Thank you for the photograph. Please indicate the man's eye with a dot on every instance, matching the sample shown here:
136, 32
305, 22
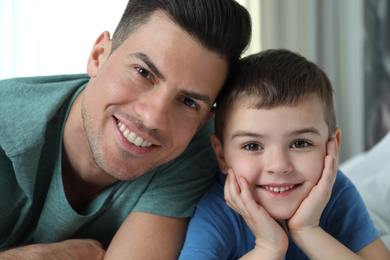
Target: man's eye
189, 102
144, 73
253, 147
300, 144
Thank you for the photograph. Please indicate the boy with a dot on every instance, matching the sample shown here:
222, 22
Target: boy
274, 125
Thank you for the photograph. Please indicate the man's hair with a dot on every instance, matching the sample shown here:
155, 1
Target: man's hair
222, 26
274, 78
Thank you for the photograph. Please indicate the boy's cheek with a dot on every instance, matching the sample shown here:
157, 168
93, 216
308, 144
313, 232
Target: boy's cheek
250, 171
315, 171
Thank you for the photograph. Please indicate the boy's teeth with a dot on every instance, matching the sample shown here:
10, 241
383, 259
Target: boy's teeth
279, 189
132, 137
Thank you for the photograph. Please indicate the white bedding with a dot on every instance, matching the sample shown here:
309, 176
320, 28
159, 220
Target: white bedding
370, 172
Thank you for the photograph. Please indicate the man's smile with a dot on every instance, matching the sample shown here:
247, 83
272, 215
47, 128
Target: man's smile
132, 137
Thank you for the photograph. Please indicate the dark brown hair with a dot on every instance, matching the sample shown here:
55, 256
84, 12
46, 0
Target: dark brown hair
222, 26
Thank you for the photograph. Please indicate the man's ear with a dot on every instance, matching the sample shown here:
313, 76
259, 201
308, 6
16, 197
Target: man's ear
209, 115
100, 52
218, 149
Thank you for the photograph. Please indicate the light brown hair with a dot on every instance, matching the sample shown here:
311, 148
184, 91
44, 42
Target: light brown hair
273, 78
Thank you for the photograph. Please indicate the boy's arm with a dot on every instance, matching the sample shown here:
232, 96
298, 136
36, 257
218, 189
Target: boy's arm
271, 239
258, 253
317, 244
375, 250
310, 237
148, 236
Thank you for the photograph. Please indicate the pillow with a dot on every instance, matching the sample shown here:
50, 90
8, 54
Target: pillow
370, 172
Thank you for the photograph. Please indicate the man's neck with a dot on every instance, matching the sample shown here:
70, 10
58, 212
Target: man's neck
83, 181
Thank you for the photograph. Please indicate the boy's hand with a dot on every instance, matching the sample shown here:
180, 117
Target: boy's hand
309, 212
270, 236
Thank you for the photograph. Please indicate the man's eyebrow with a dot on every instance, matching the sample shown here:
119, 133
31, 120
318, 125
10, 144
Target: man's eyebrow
197, 96
145, 58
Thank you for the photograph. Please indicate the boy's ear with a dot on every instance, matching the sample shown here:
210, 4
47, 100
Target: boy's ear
100, 52
337, 136
209, 115
218, 149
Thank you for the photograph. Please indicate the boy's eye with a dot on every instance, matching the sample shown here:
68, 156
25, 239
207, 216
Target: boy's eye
253, 147
300, 144
144, 73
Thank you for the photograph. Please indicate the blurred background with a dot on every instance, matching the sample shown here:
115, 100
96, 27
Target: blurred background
348, 39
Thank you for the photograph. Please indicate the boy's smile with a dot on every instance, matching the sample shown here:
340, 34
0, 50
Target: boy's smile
279, 151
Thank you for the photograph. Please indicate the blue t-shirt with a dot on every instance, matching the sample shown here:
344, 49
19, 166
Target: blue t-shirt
218, 232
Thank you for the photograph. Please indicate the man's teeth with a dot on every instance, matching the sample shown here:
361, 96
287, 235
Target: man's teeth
132, 137
279, 189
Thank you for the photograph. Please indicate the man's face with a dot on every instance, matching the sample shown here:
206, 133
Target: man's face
279, 151
148, 98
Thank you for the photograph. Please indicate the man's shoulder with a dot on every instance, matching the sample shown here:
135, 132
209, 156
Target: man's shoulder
28, 104
32, 90
44, 79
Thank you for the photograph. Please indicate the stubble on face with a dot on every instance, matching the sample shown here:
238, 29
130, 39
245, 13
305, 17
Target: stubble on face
94, 136
117, 93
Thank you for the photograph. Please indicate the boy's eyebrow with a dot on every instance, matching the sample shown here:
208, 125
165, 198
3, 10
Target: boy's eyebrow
305, 131
145, 58
246, 134
293, 133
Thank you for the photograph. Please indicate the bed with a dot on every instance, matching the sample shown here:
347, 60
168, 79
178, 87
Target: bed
370, 172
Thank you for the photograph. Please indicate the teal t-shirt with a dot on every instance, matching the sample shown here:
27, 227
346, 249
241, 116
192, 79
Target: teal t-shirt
33, 205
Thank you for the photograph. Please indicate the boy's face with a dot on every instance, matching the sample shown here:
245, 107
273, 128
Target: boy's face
279, 151
147, 99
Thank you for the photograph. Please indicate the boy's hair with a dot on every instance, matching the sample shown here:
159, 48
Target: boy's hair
274, 78
222, 26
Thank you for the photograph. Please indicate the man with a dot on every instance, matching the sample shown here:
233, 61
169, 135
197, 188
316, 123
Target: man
79, 155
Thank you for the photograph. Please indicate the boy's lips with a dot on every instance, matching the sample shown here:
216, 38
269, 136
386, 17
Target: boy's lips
133, 137
279, 188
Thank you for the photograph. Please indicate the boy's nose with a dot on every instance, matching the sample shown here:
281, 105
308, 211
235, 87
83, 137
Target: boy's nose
278, 162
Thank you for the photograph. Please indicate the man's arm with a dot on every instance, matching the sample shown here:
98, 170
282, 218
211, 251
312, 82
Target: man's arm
75, 249
148, 236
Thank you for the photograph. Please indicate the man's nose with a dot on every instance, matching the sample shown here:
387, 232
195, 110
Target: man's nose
154, 108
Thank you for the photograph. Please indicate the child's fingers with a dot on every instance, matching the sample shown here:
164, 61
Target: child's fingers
238, 195
246, 195
330, 169
328, 178
329, 172
332, 151
232, 190
310, 210
247, 199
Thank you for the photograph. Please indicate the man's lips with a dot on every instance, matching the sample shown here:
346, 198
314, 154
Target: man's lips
132, 137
